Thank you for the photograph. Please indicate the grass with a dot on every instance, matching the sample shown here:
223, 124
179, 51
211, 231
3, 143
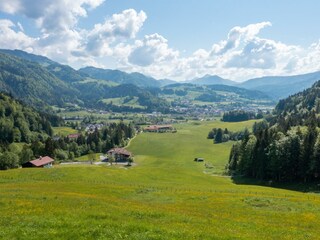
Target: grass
86, 158
64, 131
165, 196
123, 102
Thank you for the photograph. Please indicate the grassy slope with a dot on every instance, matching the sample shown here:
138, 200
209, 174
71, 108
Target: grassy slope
64, 131
166, 196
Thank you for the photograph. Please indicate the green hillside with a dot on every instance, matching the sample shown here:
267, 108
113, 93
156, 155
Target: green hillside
165, 196
63, 72
32, 83
288, 148
40, 81
221, 96
120, 77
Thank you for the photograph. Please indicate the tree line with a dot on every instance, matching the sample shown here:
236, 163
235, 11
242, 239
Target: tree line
26, 134
219, 135
240, 115
287, 149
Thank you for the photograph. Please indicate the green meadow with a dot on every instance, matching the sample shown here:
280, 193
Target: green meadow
166, 195
64, 131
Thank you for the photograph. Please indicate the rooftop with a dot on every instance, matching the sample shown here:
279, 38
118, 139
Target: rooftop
42, 161
120, 151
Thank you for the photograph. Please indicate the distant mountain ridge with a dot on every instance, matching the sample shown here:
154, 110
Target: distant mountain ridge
42, 83
64, 72
120, 77
280, 87
211, 80
277, 87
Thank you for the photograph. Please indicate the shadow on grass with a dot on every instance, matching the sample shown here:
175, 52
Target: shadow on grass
311, 187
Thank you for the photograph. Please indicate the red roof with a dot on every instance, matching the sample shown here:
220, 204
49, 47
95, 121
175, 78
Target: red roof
76, 135
121, 151
42, 161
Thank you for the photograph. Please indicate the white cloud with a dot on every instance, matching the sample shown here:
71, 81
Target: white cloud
120, 26
153, 49
242, 54
238, 34
11, 7
13, 39
51, 15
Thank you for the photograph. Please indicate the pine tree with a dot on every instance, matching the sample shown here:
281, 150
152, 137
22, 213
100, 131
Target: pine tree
218, 136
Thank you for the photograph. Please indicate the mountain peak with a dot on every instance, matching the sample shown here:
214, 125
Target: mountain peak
212, 79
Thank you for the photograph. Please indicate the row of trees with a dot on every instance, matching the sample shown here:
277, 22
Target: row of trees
279, 153
22, 124
289, 148
240, 115
219, 135
64, 148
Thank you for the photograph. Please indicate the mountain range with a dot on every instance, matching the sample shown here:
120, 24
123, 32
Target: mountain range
39, 80
277, 87
210, 80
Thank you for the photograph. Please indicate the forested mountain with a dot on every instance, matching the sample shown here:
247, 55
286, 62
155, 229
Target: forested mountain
22, 124
277, 87
44, 82
43, 61
19, 123
63, 72
211, 80
280, 87
217, 92
165, 82
32, 83
288, 147
105, 97
120, 77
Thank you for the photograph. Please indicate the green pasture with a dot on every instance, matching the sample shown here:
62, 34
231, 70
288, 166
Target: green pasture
122, 101
166, 195
64, 131
88, 157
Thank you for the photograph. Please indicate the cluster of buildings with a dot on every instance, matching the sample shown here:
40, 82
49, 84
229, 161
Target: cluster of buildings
90, 128
118, 154
159, 128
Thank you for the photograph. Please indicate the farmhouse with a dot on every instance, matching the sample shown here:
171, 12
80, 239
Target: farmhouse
159, 128
119, 154
73, 136
42, 162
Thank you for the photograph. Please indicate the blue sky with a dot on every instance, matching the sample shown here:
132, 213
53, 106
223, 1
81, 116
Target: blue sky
169, 39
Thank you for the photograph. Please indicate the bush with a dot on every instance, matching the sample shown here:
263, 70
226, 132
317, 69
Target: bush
60, 155
9, 160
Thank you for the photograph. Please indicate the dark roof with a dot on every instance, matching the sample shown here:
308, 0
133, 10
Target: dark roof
121, 151
42, 161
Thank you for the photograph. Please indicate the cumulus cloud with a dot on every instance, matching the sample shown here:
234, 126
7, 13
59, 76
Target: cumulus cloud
12, 38
51, 15
124, 25
153, 49
238, 34
241, 55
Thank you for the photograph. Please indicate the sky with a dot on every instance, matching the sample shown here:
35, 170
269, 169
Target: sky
179, 40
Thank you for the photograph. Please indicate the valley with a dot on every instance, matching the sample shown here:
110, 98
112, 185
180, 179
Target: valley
159, 120
165, 196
